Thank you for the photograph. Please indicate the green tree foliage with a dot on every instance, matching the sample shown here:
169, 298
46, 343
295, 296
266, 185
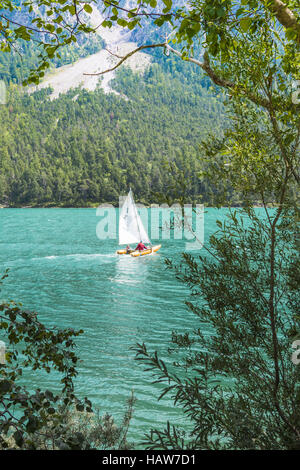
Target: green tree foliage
225, 32
218, 25
233, 374
51, 25
16, 66
81, 430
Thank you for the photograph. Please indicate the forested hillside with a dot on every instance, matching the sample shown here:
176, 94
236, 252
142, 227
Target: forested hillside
24, 55
87, 147
15, 67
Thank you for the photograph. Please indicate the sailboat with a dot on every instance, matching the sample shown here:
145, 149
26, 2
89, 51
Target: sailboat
131, 229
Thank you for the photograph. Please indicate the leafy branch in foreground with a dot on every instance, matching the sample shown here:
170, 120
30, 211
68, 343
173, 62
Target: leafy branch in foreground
49, 24
232, 375
31, 344
218, 26
83, 430
37, 419
229, 38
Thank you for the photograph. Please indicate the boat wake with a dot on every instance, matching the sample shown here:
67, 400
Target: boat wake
79, 256
23, 262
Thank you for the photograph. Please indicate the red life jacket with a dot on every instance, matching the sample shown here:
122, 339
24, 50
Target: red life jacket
141, 247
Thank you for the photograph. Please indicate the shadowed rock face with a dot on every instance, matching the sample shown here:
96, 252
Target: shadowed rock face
70, 76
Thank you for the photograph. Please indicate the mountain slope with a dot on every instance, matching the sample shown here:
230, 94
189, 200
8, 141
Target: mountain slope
90, 149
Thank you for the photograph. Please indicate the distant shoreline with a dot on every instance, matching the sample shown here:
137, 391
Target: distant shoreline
236, 206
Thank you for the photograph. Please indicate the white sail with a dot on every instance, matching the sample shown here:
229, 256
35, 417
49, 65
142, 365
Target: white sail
131, 229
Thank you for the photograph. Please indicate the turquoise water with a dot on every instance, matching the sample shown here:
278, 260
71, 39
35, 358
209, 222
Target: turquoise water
59, 268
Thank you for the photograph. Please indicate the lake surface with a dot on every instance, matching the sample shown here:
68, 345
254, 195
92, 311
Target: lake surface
59, 268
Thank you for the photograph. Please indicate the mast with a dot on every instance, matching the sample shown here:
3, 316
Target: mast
136, 214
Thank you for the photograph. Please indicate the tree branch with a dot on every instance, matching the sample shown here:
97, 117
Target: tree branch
205, 65
283, 14
220, 81
126, 57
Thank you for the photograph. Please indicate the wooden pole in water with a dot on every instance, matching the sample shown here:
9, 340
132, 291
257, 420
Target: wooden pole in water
2, 352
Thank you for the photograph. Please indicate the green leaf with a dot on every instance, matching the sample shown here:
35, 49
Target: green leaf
5, 386
18, 437
245, 24
168, 4
32, 424
88, 8
72, 9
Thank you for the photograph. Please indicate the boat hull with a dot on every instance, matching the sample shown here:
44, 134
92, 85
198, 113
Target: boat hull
137, 253
154, 249
124, 252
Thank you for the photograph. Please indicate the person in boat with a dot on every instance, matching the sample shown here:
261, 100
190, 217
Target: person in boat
128, 249
141, 246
